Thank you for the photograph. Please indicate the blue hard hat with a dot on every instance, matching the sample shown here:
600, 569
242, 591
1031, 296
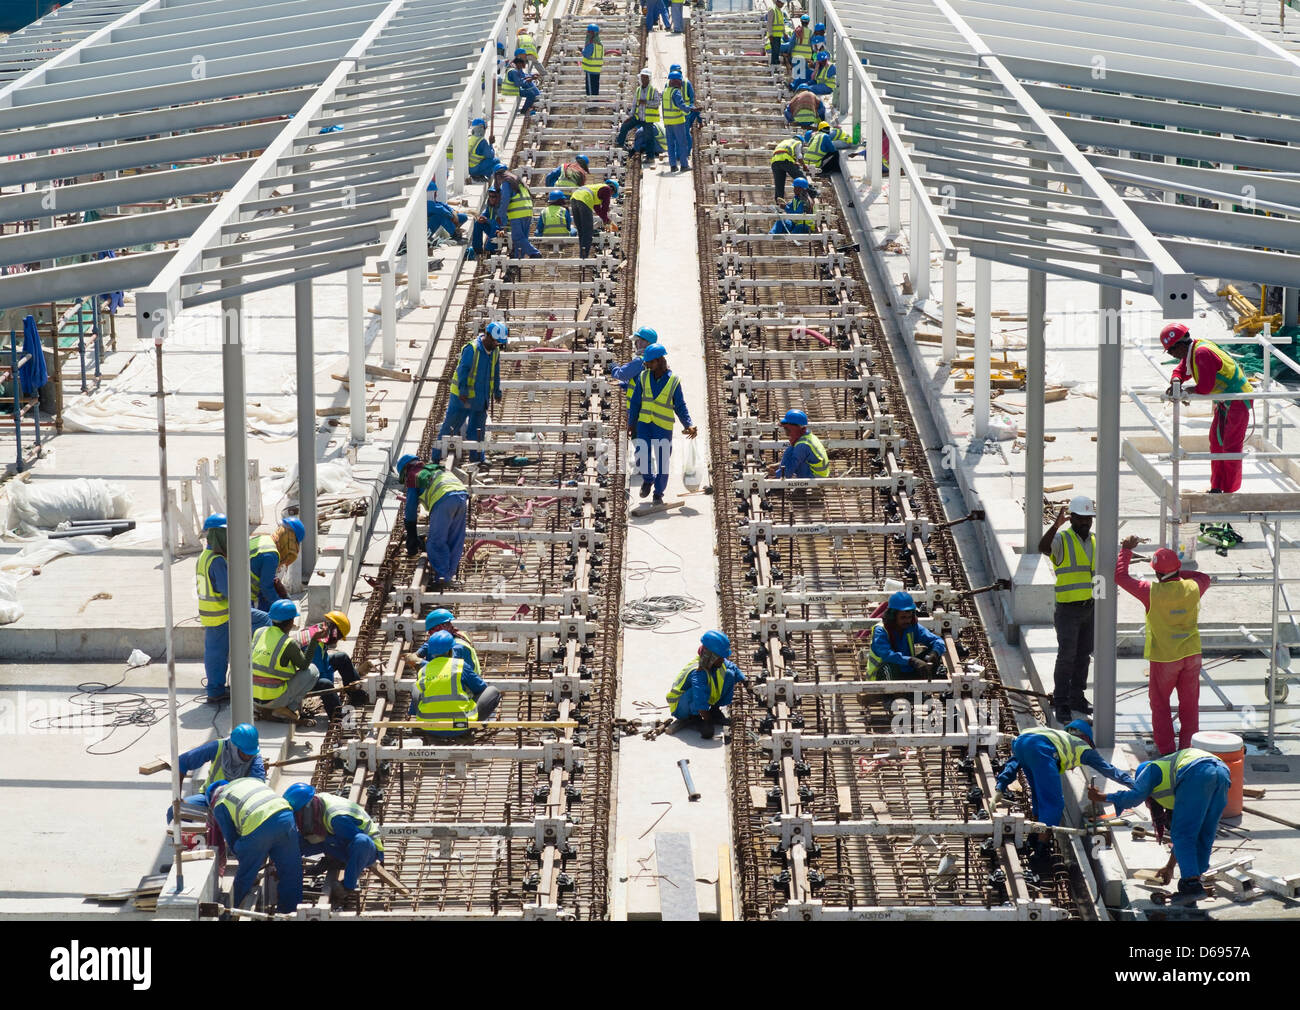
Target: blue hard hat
520, 52
717, 643
795, 417
612, 184
797, 182
556, 194
807, 136
299, 795
216, 521
819, 27
801, 86
675, 66
478, 121
244, 736
648, 334
653, 353
803, 18
583, 160
212, 789
437, 617
823, 57
674, 75
902, 601
1081, 727
498, 331
439, 644
404, 461
593, 27
299, 530
283, 610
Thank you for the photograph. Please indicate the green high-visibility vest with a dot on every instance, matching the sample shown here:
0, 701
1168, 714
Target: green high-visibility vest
1171, 766
657, 410
672, 115
588, 195
1069, 748
271, 673
571, 175
786, 150
527, 44
476, 148
876, 663
777, 31
250, 804
553, 220
1074, 573
509, 87
645, 106
716, 679
821, 464
441, 483
521, 203
802, 48
442, 696
592, 64
477, 345
261, 544
214, 608
339, 806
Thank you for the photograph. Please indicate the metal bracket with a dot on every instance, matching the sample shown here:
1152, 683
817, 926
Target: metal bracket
795, 830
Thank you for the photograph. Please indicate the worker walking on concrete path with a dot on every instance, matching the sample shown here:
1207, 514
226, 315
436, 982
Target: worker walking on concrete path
705, 686
656, 397
267, 554
212, 587
315, 643
555, 219
1073, 551
282, 672
823, 81
335, 827
519, 84
588, 203
1046, 754
475, 384
236, 757
787, 163
775, 30
569, 175
645, 111
805, 458
461, 648
901, 647
1173, 642
256, 823
593, 59
1190, 788
485, 226
627, 375
515, 211
804, 203
448, 690
676, 108
675, 9
804, 110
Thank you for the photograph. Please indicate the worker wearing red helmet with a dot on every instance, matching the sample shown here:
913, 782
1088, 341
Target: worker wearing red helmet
1173, 644
1211, 369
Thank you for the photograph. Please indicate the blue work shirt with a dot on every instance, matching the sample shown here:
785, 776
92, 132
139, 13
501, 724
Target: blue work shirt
677, 100
526, 87
485, 150
695, 693
217, 575
890, 649
797, 461
1147, 781
507, 191
1044, 747
470, 681
264, 566
629, 373
656, 387
471, 678
487, 381
201, 755
588, 51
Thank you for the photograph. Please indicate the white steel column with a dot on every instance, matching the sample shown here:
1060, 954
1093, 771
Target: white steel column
356, 355
460, 157
1109, 374
983, 341
1035, 389
895, 196
919, 240
417, 253
875, 150
304, 341
950, 305
237, 561
388, 313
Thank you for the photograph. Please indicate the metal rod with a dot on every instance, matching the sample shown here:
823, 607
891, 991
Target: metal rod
685, 765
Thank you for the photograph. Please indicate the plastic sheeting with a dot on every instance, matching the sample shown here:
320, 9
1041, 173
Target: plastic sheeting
42, 505
10, 609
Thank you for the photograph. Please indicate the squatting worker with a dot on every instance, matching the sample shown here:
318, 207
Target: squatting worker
705, 685
901, 645
1073, 551
656, 398
449, 694
806, 457
336, 827
257, 823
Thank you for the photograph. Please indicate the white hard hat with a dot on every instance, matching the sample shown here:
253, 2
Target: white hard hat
1082, 505
645, 72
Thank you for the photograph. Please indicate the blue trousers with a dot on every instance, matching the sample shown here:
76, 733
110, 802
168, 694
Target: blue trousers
679, 145
676, 10
654, 10
277, 838
519, 242
483, 170
788, 228
530, 99
480, 240
1199, 800
653, 448
447, 533
355, 855
1038, 758
819, 89
471, 420
442, 216
197, 802
216, 652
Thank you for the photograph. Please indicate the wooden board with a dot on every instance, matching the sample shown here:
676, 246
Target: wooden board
758, 797
159, 763
844, 799
650, 508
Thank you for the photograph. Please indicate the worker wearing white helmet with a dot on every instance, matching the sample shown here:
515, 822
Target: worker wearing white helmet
1074, 556
646, 108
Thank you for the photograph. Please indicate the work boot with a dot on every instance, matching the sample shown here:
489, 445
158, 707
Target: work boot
706, 729
646, 487
658, 499
1081, 705
1062, 715
717, 715
1190, 890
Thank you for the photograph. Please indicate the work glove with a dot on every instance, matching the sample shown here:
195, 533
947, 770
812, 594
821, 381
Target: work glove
919, 665
999, 798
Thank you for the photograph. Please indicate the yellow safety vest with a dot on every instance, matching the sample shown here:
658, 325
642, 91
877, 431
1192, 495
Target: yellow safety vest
1074, 573
477, 144
592, 64
553, 220
646, 104
1171, 621
259, 545
657, 410
821, 464
777, 31
786, 151
441, 695
1170, 766
672, 115
716, 679
339, 806
586, 195
477, 344
215, 771
1069, 748
508, 87
214, 609
799, 206
803, 46
1229, 378
824, 76
876, 662
271, 674
250, 804
441, 485
806, 114
526, 43
567, 182
473, 653
521, 203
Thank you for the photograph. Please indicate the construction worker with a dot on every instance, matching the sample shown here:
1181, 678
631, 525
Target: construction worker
485, 226
675, 8
787, 163
267, 554
569, 175
645, 108
448, 690
257, 823
654, 11
444, 216
236, 757
823, 147
593, 59
1173, 643
1073, 551
1046, 754
515, 211
555, 219
819, 37
476, 382
656, 397
336, 827
482, 157
801, 50
804, 203
775, 26
315, 643
688, 89
675, 110
446, 500
650, 141
462, 648
517, 83
1209, 369
804, 110
282, 673
525, 42
705, 685
901, 645
1190, 788
211, 578
823, 76
805, 457
627, 375
587, 203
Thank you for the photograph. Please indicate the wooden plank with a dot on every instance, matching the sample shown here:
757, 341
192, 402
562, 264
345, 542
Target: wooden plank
675, 865
388, 373
1240, 501
1055, 488
844, 798
758, 797
726, 897
371, 408
159, 763
387, 877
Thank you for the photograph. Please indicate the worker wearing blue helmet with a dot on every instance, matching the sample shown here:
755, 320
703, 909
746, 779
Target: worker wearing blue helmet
462, 648
676, 110
212, 586
446, 501
555, 220
900, 646
801, 206
593, 59
482, 156
336, 827
440, 216
282, 672
267, 554
627, 374
823, 74
688, 89
256, 823
805, 458
569, 175
706, 685
449, 695
475, 384
656, 399
235, 757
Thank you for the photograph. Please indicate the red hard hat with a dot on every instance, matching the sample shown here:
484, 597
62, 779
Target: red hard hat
1165, 561
1173, 334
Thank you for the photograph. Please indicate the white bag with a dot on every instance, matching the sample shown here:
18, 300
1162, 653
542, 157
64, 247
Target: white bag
692, 472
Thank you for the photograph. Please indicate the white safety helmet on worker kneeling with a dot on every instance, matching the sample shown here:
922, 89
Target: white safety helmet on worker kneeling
1082, 505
